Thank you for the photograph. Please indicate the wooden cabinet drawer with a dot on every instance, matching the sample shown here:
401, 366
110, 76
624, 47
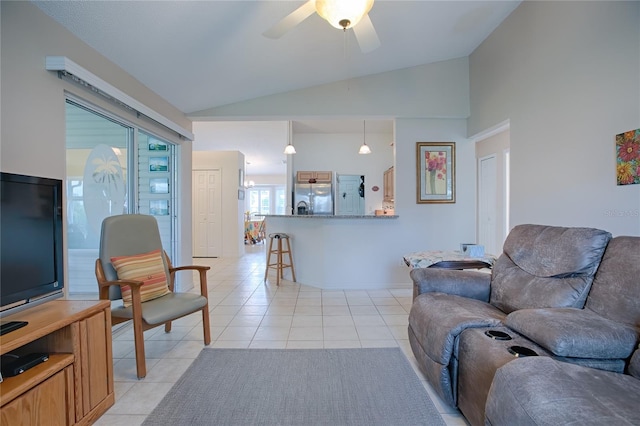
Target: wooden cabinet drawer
49, 403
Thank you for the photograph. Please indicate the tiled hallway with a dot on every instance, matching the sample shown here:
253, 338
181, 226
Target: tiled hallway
248, 313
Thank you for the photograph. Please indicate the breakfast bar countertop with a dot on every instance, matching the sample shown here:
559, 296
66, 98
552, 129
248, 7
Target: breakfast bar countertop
323, 251
328, 216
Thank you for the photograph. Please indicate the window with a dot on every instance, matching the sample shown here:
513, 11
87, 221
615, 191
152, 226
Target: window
266, 200
259, 201
281, 201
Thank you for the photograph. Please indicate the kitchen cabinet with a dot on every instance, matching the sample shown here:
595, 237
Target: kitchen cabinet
75, 385
388, 185
320, 177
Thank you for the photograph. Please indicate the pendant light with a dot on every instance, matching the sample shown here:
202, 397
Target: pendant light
290, 149
364, 148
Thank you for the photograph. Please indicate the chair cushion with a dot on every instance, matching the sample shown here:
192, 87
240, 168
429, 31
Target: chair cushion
577, 333
146, 267
542, 391
166, 308
546, 267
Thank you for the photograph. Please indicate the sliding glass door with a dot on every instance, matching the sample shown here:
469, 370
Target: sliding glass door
112, 168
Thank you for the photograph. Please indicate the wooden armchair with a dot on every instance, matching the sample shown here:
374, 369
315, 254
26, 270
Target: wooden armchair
132, 266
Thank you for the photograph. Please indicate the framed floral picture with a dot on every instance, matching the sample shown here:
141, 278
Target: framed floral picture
435, 172
628, 157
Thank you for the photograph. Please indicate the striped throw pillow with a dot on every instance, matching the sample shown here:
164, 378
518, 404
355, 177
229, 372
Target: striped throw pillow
146, 267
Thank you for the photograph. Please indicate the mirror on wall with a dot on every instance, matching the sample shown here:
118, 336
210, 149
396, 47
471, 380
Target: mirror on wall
350, 194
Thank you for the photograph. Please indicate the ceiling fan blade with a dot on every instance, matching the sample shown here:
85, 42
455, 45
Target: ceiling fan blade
291, 20
366, 35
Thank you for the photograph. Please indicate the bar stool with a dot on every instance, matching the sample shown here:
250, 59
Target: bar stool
279, 251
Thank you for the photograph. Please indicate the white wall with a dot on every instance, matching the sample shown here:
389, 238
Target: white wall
566, 75
434, 226
440, 89
433, 90
228, 162
360, 253
339, 153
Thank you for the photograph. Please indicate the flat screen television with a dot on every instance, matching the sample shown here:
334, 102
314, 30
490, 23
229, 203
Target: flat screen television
31, 265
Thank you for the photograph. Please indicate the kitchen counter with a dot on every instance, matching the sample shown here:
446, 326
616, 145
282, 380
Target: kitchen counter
348, 252
326, 216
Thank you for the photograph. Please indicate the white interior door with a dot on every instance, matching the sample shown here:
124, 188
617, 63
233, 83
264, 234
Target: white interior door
207, 213
487, 203
492, 153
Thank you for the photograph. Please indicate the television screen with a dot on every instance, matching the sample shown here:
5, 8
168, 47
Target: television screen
30, 238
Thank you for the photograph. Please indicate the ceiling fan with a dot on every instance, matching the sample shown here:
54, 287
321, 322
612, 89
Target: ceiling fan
340, 14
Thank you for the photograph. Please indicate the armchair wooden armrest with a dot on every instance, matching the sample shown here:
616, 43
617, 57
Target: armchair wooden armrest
202, 271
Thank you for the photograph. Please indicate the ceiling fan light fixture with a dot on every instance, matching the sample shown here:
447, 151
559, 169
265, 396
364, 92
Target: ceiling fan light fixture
343, 14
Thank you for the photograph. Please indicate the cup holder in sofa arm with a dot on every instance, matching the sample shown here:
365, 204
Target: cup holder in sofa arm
497, 335
521, 351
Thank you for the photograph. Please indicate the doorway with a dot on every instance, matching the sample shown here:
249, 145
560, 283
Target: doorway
492, 154
350, 194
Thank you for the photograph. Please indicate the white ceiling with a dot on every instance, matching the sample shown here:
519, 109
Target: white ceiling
203, 54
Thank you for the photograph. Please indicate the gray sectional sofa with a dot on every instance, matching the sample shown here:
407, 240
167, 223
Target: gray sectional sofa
570, 295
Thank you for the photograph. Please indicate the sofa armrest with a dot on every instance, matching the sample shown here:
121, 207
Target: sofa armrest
471, 284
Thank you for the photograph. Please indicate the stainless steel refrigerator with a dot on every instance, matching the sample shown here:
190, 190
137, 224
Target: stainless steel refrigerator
313, 198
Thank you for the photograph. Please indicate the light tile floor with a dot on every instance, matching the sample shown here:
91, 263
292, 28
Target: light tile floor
245, 312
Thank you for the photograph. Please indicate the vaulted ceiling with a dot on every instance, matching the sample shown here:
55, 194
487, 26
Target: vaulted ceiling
202, 54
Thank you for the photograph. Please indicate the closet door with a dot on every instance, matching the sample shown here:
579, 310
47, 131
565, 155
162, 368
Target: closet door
207, 213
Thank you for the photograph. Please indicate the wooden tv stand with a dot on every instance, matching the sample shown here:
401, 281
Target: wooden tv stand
75, 386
